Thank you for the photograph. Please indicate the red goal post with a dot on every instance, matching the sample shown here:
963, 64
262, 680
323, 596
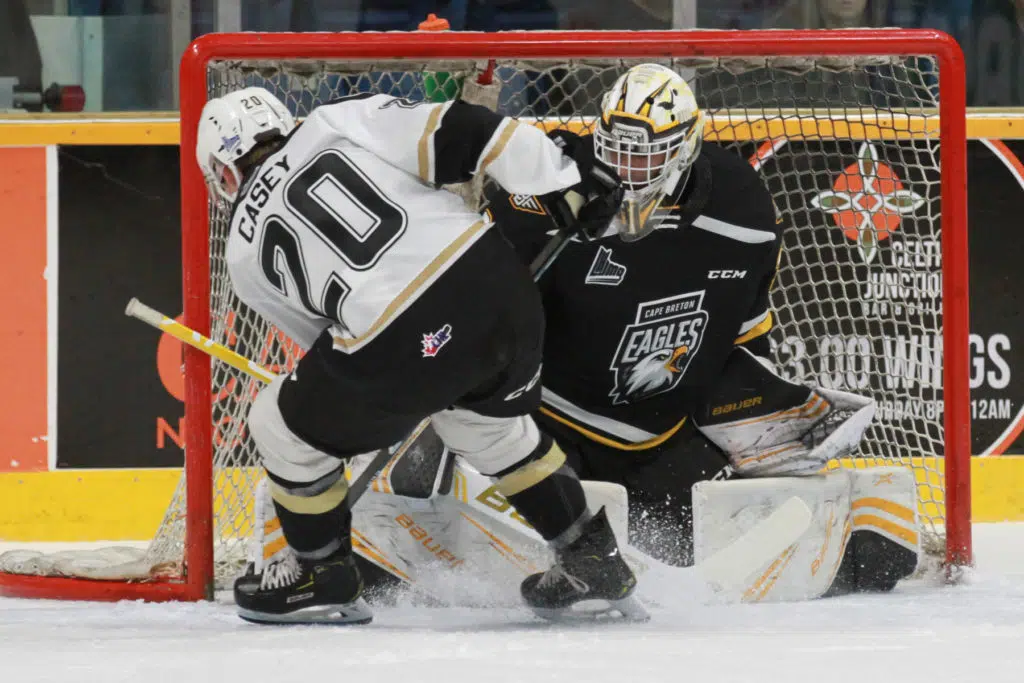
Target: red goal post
196, 523
582, 45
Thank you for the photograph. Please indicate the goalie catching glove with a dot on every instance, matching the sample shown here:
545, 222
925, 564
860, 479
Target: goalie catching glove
585, 209
751, 416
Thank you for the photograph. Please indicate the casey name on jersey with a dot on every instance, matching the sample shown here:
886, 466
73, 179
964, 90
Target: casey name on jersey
256, 198
656, 349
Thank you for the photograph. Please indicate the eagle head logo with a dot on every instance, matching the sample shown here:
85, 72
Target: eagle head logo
655, 371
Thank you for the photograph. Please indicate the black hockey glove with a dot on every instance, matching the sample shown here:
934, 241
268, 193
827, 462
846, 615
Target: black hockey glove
587, 208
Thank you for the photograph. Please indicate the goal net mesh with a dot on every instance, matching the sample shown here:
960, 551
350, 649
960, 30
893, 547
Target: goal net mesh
849, 150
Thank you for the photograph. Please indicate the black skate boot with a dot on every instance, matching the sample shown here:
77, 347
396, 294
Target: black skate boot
294, 591
589, 580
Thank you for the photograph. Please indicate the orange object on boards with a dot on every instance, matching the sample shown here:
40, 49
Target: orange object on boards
434, 23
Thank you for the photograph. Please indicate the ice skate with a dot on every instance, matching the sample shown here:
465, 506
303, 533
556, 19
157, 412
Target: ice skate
293, 591
590, 580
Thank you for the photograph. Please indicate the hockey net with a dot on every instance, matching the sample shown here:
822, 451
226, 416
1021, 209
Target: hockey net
844, 128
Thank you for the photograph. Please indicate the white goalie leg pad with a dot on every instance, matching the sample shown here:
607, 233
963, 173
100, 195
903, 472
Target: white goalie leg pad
285, 455
884, 502
723, 511
466, 546
489, 444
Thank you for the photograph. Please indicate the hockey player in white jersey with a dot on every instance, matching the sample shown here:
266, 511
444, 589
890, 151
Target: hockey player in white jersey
409, 306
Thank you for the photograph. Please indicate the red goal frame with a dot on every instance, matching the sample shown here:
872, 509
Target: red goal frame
199, 559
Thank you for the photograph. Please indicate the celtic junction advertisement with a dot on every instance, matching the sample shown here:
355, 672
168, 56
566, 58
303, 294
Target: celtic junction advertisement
858, 297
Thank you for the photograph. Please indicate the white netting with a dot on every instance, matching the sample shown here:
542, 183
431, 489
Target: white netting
848, 148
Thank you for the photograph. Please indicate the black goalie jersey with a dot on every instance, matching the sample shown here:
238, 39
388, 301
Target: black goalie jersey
636, 330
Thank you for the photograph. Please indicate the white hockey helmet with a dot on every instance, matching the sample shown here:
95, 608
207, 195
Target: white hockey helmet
650, 131
229, 127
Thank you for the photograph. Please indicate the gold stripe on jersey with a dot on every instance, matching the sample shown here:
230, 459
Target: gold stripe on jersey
499, 145
532, 473
604, 440
441, 260
763, 327
310, 505
426, 167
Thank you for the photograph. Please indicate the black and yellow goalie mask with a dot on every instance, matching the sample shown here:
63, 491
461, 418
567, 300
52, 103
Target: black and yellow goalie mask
650, 132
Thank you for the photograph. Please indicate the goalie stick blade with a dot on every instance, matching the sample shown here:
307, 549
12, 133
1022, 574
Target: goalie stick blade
729, 568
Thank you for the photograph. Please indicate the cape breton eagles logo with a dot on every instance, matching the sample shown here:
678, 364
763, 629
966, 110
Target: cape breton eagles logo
868, 201
656, 349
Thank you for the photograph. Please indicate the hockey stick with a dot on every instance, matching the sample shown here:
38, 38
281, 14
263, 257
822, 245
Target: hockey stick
558, 242
183, 333
146, 314
550, 252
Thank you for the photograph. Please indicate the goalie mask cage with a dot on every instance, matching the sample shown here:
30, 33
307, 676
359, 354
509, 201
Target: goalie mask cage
859, 135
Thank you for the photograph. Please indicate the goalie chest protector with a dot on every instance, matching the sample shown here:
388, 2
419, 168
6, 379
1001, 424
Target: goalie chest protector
635, 329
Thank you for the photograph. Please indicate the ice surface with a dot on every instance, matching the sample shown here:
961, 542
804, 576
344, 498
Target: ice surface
973, 633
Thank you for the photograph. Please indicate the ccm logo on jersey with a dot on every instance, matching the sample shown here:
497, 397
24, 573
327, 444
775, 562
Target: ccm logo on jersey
726, 274
525, 388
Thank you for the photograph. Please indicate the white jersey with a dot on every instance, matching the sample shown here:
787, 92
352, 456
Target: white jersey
344, 226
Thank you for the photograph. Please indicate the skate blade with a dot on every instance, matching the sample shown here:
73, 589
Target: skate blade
353, 613
626, 609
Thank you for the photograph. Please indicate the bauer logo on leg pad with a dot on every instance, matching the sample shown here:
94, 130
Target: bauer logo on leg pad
433, 341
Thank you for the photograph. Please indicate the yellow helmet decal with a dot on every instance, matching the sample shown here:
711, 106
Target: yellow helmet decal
621, 105
645, 108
